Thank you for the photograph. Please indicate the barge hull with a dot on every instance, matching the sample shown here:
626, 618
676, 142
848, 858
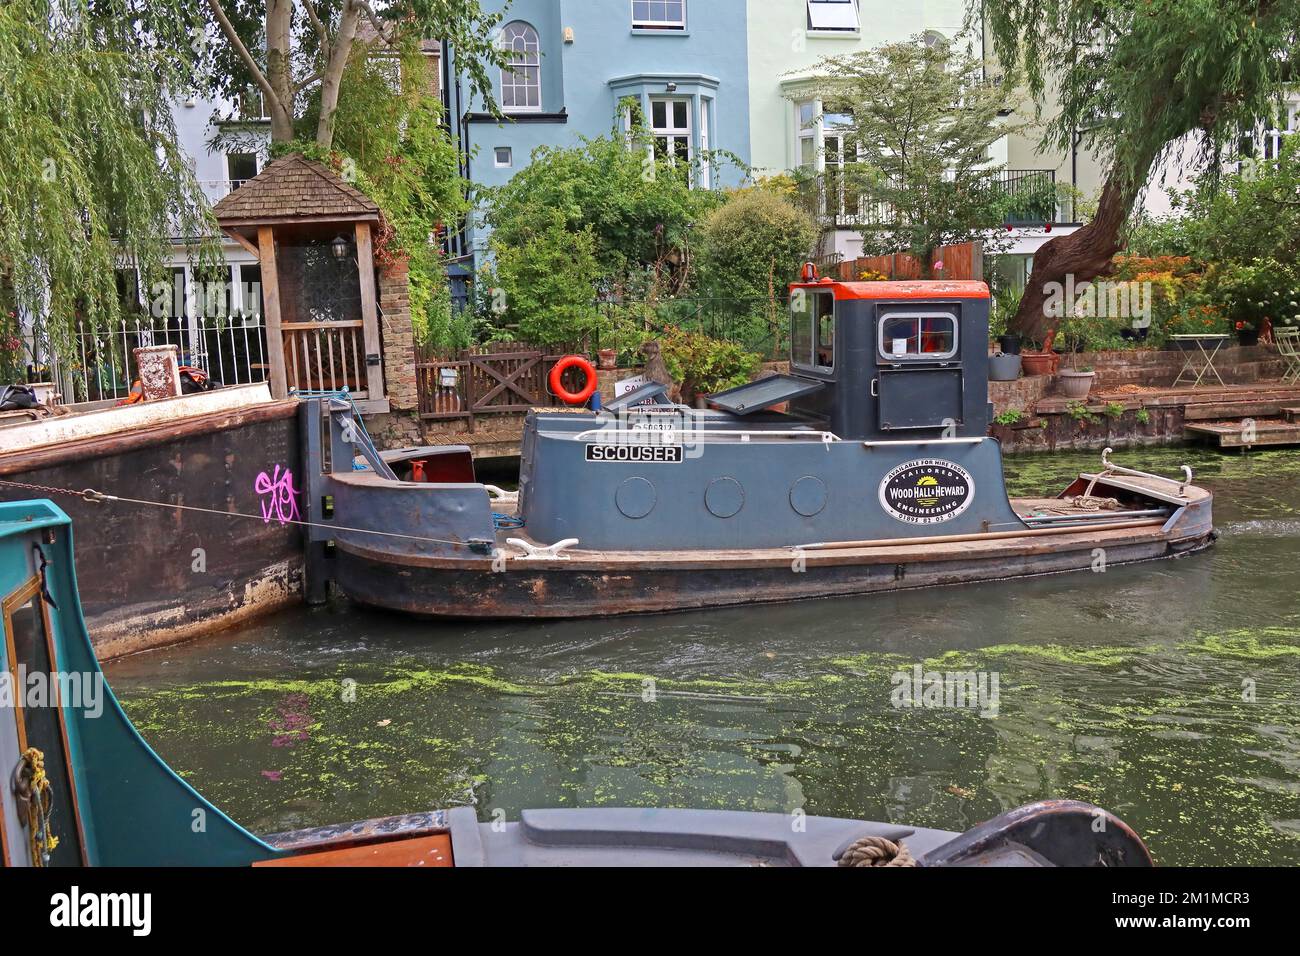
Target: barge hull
590, 586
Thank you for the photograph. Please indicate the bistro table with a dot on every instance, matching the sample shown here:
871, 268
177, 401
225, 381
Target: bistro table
1201, 350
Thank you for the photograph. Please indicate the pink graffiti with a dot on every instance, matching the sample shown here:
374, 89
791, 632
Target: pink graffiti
279, 497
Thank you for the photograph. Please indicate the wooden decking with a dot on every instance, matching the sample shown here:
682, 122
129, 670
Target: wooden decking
1264, 417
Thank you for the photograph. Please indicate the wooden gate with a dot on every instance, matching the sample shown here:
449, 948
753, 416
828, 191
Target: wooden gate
487, 380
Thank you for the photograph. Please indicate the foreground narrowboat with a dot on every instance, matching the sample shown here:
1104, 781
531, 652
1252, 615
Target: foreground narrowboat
81, 787
867, 468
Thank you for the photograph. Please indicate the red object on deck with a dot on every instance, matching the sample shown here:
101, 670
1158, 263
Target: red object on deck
417, 471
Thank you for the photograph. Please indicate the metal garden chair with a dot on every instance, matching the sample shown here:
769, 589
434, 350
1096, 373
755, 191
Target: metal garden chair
1288, 346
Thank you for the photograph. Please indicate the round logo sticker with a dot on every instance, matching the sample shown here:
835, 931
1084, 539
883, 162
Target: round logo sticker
927, 491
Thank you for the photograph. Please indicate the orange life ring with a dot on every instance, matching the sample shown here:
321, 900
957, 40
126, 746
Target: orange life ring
557, 376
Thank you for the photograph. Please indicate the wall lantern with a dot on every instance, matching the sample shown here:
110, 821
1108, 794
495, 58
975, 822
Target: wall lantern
340, 248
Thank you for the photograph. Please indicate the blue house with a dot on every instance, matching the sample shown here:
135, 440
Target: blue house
576, 63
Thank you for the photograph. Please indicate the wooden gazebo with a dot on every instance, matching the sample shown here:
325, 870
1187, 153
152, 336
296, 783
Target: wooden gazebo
313, 235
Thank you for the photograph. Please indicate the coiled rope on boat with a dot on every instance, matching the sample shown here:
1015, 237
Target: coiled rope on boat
33, 787
877, 851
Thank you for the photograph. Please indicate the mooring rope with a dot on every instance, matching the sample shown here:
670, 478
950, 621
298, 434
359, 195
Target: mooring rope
99, 497
32, 785
877, 851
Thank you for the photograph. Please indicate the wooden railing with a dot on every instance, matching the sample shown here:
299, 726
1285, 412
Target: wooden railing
326, 356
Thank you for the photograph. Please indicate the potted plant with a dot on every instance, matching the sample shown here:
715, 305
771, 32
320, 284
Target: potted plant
1076, 381
1044, 362
1247, 334
608, 359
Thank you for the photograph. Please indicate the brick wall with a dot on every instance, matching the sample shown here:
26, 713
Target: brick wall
398, 337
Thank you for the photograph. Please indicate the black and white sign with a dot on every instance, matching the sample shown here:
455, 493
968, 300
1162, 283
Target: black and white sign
927, 491
639, 453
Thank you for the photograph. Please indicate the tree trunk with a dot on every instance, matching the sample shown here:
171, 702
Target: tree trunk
278, 66
340, 50
1085, 254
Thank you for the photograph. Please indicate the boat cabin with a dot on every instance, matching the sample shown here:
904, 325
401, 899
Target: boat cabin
881, 360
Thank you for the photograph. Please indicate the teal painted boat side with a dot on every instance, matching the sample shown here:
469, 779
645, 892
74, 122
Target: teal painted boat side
135, 811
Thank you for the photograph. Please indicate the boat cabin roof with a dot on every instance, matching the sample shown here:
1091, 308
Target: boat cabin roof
920, 289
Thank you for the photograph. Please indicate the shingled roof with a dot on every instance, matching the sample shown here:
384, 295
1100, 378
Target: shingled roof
294, 189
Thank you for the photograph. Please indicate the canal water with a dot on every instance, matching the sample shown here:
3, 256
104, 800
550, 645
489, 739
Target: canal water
1168, 693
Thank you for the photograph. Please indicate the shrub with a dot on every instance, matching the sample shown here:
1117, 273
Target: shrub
1255, 291
752, 246
545, 289
637, 215
704, 364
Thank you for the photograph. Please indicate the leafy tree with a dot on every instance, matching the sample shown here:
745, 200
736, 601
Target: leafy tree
1246, 215
639, 211
919, 121
391, 140
545, 287
308, 45
1133, 78
91, 176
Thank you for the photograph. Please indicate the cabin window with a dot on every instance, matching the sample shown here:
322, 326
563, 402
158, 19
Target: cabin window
812, 329
926, 336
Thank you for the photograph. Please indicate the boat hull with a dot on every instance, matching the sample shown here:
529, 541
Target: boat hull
606, 585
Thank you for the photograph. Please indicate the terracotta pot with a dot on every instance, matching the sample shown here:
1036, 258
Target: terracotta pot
1038, 363
1076, 384
608, 359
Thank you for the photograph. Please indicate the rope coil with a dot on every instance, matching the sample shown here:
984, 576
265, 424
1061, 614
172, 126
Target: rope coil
32, 787
877, 851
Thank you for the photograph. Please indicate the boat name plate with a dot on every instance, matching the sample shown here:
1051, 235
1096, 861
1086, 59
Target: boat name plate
927, 491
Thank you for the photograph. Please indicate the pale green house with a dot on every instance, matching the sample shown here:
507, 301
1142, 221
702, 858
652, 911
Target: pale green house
788, 37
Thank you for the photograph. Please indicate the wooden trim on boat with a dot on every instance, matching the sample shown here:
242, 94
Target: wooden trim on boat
982, 536
53, 653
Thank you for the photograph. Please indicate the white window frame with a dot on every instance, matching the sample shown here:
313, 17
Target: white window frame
670, 26
810, 133
706, 171
672, 132
520, 59
887, 357
496, 157
834, 16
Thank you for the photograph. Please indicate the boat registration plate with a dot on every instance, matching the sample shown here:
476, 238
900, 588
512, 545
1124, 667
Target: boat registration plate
639, 453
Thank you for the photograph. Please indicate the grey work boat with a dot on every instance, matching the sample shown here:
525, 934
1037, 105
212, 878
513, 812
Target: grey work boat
868, 468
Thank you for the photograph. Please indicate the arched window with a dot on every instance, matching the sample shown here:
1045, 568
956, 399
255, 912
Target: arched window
521, 81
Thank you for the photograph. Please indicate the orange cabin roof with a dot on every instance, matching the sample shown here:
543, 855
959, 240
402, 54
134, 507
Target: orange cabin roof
919, 289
